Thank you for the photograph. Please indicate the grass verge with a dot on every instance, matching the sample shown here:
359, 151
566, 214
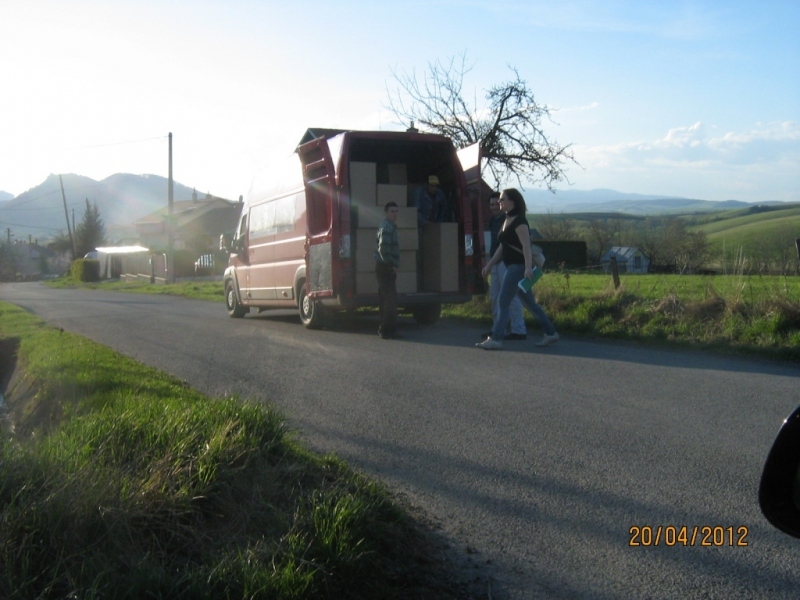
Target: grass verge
117, 481
750, 315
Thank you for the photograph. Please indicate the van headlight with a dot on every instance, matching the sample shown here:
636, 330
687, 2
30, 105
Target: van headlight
468, 249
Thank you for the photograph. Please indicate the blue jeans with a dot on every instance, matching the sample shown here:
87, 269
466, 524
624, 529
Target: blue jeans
515, 309
508, 291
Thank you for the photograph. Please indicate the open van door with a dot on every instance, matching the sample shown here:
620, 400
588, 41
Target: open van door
319, 179
470, 159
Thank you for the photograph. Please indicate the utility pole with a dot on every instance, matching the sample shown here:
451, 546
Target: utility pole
170, 250
66, 215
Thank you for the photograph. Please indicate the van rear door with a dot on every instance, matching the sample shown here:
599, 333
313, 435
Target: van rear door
319, 179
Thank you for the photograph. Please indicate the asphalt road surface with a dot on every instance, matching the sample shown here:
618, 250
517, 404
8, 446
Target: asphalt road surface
539, 461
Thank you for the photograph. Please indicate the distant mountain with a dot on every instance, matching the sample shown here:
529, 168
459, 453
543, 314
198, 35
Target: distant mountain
5, 196
610, 201
122, 199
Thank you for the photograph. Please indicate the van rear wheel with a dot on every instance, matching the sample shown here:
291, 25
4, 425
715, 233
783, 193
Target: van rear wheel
235, 310
427, 314
311, 311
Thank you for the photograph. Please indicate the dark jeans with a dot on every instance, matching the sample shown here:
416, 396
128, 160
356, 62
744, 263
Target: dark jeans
387, 297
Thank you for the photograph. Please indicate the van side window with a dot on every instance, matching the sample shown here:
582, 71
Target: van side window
284, 214
272, 217
262, 218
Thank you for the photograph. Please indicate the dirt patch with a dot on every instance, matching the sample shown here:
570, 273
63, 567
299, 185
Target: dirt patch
23, 409
8, 379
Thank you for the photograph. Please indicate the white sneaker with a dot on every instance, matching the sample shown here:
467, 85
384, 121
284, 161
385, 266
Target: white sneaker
490, 344
547, 340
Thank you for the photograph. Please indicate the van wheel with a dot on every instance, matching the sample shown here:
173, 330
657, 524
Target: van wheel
427, 314
311, 311
235, 310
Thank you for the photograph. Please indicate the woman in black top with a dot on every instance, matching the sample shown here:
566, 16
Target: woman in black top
515, 252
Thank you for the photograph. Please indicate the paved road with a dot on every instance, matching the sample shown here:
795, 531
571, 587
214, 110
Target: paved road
538, 460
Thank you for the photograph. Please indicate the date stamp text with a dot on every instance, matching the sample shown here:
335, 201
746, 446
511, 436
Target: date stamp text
708, 536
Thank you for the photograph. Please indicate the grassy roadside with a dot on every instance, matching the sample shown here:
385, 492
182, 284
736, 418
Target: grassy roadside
749, 315
746, 314
121, 482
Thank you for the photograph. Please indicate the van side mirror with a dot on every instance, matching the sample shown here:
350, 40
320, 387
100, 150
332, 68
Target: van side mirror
225, 242
779, 492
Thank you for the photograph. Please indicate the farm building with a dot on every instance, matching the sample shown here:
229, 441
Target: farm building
629, 259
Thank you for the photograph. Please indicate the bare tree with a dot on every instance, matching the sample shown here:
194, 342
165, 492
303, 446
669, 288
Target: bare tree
687, 250
508, 128
650, 238
554, 227
601, 236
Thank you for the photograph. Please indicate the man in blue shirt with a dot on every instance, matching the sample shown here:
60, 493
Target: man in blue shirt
387, 260
430, 202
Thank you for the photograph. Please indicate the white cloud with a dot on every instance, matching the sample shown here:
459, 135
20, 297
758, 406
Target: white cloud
697, 161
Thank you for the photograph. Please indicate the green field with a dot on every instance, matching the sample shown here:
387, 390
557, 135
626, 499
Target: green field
750, 228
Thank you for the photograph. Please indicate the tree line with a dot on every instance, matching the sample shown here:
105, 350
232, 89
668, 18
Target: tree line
672, 246
89, 234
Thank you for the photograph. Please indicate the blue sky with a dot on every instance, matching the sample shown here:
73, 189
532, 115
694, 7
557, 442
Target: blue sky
685, 98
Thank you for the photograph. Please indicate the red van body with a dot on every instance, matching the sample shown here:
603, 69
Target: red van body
307, 231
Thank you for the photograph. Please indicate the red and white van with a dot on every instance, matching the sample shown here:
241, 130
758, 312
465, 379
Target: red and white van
306, 235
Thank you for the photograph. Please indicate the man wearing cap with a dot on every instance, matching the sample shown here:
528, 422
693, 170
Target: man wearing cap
430, 202
387, 259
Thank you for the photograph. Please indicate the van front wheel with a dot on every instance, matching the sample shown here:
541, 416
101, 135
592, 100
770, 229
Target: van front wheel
311, 311
235, 310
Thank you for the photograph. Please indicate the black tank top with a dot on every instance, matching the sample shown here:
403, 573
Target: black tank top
512, 252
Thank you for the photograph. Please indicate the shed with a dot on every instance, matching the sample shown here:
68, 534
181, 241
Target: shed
630, 259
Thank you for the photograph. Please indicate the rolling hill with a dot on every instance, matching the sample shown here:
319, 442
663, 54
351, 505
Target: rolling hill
122, 199
749, 228
611, 201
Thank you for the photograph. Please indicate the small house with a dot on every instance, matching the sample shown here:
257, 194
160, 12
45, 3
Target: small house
629, 259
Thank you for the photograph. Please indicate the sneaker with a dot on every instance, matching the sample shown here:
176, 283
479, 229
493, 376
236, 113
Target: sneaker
547, 340
490, 344
515, 336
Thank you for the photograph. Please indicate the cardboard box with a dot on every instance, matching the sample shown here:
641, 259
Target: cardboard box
406, 217
365, 253
408, 237
371, 217
398, 173
388, 192
407, 282
367, 283
439, 248
363, 183
408, 261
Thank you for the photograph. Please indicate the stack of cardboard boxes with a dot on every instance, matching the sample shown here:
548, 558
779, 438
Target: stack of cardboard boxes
369, 197
438, 243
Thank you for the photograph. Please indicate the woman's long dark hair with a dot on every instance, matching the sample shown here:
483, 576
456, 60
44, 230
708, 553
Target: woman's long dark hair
518, 200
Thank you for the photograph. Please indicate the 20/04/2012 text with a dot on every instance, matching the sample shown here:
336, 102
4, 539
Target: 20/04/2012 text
708, 536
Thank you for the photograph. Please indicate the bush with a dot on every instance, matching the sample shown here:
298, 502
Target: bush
84, 269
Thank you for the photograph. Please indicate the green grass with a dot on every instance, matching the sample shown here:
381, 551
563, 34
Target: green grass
122, 482
201, 290
756, 315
